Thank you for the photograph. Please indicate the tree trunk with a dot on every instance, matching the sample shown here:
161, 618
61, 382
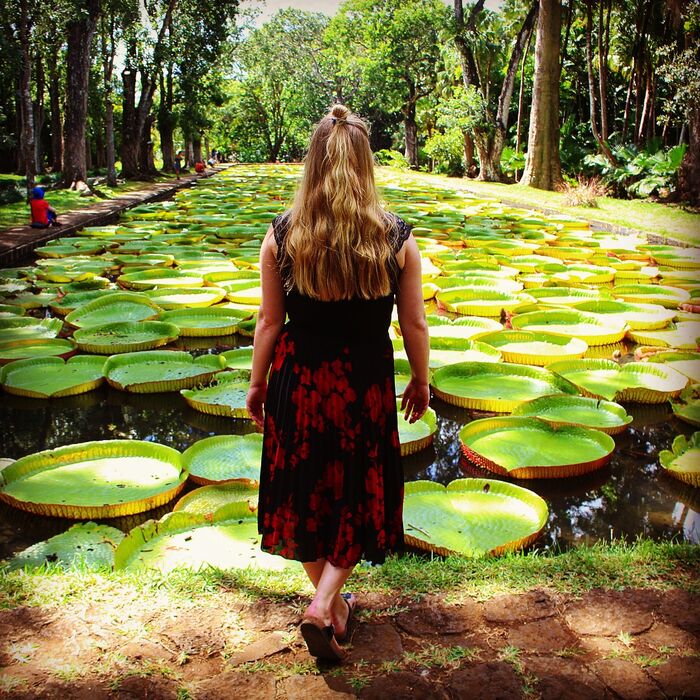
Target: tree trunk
543, 167
166, 121
80, 33
39, 115
146, 163
689, 172
469, 154
411, 133
108, 70
489, 145
130, 136
521, 93
603, 38
56, 127
602, 145
25, 101
197, 148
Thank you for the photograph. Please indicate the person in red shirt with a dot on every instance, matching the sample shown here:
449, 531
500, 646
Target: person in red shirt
199, 167
43, 214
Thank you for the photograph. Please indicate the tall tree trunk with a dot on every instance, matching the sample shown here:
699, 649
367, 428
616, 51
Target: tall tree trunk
166, 121
26, 111
56, 126
147, 167
521, 93
689, 172
602, 145
39, 115
80, 32
543, 167
628, 104
603, 31
197, 147
489, 145
469, 154
411, 133
130, 135
108, 50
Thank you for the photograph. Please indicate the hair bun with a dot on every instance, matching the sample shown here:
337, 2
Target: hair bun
339, 111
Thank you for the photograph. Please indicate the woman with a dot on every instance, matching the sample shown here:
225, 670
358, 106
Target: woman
331, 484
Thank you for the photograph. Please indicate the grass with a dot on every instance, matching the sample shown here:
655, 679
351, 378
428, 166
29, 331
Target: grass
616, 565
63, 200
642, 215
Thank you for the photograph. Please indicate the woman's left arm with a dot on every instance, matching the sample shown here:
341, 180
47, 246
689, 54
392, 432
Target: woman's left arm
270, 320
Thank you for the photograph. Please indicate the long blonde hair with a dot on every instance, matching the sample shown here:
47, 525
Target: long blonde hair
337, 245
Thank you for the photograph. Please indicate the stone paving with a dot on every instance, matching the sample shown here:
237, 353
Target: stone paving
635, 644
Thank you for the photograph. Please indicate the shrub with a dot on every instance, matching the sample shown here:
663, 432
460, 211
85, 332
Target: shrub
446, 149
511, 161
395, 159
584, 192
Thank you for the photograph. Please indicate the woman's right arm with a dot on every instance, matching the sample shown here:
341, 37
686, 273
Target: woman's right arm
269, 323
414, 330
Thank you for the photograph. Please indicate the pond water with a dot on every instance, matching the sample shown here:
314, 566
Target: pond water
631, 496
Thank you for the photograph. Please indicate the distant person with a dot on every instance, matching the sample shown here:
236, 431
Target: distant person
199, 167
43, 214
177, 164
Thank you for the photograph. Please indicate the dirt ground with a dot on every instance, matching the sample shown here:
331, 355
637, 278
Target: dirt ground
606, 644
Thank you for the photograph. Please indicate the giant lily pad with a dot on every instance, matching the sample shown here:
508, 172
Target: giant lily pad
22, 350
640, 382
467, 327
687, 407
595, 330
687, 363
471, 301
495, 386
125, 336
52, 377
239, 358
180, 298
226, 397
559, 409
27, 329
531, 448
564, 296
206, 500
415, 437
224, 458
209, 321
226, 539
158, 278
471, 517
103, 479
535, 347
84, 544
682, 461
684, 335
670, 297
637, 316
113, 308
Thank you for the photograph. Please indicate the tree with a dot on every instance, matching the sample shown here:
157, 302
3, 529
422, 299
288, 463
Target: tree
491, 130
543, 167
80, 31
397, 45
26, 109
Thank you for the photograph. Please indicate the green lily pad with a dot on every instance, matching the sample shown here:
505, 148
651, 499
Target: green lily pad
125, 336
602, 415
565, 296
684, 335
209, 321
415, 437
160, 277
687, 406
113, 308
228, 539
180, 298
496, 387
531, 448
670, 297
102, 479
29, 330
594, 329
471, 517
47, 347
73, 300
226, 397
640, 382
534, 347
84, 544
160, 370
687, 363
471, 301
465, 327
206, 500
52, 377
239, 358
683, 459
637, 316
224, 458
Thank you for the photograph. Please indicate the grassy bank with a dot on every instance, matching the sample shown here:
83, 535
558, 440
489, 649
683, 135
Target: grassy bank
642, 215
615, 565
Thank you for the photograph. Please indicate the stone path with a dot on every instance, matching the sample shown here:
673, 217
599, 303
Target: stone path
636, 644
17, 243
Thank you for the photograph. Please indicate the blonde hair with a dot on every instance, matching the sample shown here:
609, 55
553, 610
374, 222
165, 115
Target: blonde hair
337, 245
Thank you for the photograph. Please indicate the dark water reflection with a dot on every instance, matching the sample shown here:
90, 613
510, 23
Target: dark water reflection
628, 497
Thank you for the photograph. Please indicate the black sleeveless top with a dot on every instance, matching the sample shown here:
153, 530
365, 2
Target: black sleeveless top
348, 320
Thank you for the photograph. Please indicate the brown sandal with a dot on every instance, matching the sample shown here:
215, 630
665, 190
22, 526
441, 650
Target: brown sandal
321, 640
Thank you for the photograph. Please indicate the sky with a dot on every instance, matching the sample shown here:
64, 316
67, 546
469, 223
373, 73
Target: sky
269, 7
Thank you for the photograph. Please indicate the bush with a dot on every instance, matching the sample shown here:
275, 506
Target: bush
446, 149
11, 192
395, 159
511, 161
639, 173
584, 192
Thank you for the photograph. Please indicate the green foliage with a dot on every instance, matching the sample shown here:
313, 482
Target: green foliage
639, 173
446, 150
395, 159
512, 160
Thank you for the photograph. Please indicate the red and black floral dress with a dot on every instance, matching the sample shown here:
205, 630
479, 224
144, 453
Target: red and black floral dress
331, 480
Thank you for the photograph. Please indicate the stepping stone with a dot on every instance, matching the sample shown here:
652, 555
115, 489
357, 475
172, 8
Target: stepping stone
495, 680
198, 631
267, 646
541, 636
663, 635
679, 677
522, 607
267, 616
435, 618
627, 680
607, 613
402, 686
375, 644
681, 609
305, 687
564, 679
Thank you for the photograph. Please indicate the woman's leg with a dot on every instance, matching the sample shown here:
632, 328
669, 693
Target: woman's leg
339, 611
